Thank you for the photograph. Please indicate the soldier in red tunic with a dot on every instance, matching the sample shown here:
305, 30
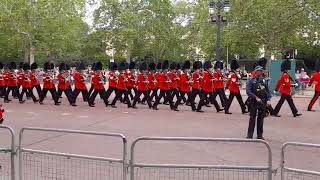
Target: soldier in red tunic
233, 86
113, 79
122, 87
315, 79
34, 78
284, 85
218, 83
173, 75
130, 75
196, 81
80, 84
207, 88
2, 81
26, 84
152, 88
64, 83
20, 75
142, 83
48, 84
98, 84
12, 82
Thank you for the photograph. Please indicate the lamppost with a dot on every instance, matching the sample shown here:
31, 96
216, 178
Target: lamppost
219, 5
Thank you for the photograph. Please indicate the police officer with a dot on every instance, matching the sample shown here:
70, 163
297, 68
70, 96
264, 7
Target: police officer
259, 97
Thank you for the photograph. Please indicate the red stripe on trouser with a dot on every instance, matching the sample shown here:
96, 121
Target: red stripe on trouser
314, 99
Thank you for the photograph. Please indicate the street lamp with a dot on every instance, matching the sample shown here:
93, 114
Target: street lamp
219, 5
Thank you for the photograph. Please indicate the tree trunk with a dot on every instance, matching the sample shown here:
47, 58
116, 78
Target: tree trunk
26, 55
31, 57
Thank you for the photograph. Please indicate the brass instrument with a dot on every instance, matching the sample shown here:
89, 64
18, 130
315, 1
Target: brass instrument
124, 77
154, 80
168, 80
1, 77
101, 80
83, 76
145, 78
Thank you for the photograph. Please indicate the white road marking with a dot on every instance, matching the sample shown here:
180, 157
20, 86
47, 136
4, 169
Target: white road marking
65, 114
83, 116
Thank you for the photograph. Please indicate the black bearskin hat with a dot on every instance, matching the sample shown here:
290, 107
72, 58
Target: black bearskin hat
286, 65
62, 67
186, 65
98, 66
317, 65
1, 65
152, 66
159, 65
26, 66
46, 66
218, 65
123, 66
262, 62
93, 66
143, 66
21, 65
234, 65
197, 65
207, 65
132, 65
173, 66
113, 66
51, 66
178, 66
34, 66
81, 66
165, 65
12, 65
68, 67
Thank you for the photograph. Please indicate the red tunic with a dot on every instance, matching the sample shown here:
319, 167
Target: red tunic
174, 82
98, 83
158, 75
184, 83
131, 80
316, 80
112, 80
12, 79
207, 84
285, 84
233, 83
196, 80
34, 79
163, 81
47, 81
20, 76
63, 83
27, 82
142, 82
218, 80
2, 81
122, 82
79, 81
1, 112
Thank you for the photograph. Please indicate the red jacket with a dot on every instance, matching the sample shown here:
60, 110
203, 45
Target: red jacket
142, 82
47, 81
26, 81
163, 81
1, 112
151, 78
184, 83
233, 83
79, 81
112, 79
158, 76
173, 77
34, 79
12, 79
2, 81
285, 84
63, 83
122, 82
196, 80
97, 82
218, 80
20, 76
130, 78
207, 84
316, 80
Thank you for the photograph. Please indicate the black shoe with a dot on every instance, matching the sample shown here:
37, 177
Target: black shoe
228, 112
166, 103
275, 115
113, 106
134, 107
91, 105
261, 138
23, 101
207, 105
57, 104
245, 112
310, 110
297, 115
155, 108
175, 109
41, 103
9, 100
249, 137
200, 111
74, 105
35, 101
219, 110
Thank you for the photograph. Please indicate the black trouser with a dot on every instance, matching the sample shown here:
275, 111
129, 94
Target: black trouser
313, 100
130, 92
13, 89
146, 97
85, 94
240, 101
204, 97
167, 97
67, 92
222, 95
110, 90
174, 93
194, 94
2, 91
29, 92
257, 113
91, 89
102, 93
53, 94
38, 88
182, 94
119, 94
290, 102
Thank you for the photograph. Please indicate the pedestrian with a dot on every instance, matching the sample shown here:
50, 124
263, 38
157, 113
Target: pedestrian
315, 79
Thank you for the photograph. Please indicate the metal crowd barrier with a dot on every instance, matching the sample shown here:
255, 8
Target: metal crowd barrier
288, 173
148, 171
47, 165
7, 157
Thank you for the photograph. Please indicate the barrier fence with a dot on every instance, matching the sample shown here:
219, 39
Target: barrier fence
7, 156
148, 171
288, 173
36, 164
45, 165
